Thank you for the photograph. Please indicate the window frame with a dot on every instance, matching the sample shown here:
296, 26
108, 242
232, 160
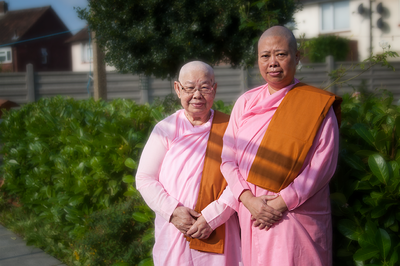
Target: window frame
6, 50
85, 48
348, 28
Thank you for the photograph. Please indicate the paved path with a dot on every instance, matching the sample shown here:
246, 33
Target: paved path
15, 252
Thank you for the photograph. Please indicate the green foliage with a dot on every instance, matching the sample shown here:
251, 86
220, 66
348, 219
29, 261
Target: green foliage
366, 187
64, 159
220, 106
115, 237
154, 37
317, 49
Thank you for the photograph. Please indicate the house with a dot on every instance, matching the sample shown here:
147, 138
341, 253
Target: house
372, 24
82, 53
36, 36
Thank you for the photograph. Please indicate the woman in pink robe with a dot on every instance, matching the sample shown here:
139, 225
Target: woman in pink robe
169, 176
302, 236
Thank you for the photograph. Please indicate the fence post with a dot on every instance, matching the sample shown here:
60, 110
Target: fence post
144, 89
330, 66
30, 84
244, 80
99, 71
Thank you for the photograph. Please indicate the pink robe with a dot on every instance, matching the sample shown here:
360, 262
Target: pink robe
303, 237
169, 175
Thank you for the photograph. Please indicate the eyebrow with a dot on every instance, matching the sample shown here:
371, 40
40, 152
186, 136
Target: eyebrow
277, 50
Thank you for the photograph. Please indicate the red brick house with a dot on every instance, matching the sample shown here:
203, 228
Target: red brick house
36, 36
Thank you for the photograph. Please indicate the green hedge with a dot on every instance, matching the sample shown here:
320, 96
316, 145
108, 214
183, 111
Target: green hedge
365, 189
69, 164
64, 159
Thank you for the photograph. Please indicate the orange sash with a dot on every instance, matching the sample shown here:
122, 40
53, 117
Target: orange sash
290, 135
212, 184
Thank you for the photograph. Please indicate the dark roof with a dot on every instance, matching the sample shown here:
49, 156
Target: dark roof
80, 36
17, 22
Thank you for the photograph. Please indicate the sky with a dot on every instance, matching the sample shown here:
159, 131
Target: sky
63, 8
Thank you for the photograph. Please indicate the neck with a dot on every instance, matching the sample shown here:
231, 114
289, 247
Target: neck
272, 90
197, 120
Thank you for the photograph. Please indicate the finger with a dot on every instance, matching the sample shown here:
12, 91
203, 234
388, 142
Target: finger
262, 226
256, 224
269, 197
194, 213
192, 230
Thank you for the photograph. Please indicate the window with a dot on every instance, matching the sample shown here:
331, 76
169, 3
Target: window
87, 52
5, 55
335, 16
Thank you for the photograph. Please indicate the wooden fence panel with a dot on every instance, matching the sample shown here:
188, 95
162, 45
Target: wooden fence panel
231, 83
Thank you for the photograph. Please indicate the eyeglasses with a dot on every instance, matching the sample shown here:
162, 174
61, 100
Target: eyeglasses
205, 89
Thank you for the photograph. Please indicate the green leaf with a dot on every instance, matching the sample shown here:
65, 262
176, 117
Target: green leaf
140, 217
129, 193
149, 235
120, 264
379, 167
98, 191
13, 162
364, 133
349, 229
383, 241
394, 258
157, 115
128, 179
353, 161
398, 126
377, 212
146, 262
365, 253
76, 200
130, 163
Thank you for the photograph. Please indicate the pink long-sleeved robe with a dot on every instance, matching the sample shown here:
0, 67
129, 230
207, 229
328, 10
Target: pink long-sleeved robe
303, 237
169, 175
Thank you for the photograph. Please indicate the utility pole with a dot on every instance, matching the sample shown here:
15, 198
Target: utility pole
99, 71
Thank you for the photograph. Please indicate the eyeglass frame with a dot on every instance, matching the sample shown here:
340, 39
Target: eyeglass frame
198, 89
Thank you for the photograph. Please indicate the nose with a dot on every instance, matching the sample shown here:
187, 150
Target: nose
273, 62
197, 94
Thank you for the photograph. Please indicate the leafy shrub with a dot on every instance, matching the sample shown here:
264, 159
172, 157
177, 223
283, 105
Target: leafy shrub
320, 47
113, 236
365, 190
65, 159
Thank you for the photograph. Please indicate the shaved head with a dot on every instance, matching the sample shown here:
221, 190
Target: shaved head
281, 32
195, 66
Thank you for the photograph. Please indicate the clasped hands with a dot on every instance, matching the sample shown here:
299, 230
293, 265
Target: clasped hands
265, 210
190, 223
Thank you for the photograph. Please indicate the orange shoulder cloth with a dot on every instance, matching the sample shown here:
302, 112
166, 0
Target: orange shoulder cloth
290, 136
212, 184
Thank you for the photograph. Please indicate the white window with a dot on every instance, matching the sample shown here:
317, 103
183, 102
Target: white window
87, 52
335, 16
5, 55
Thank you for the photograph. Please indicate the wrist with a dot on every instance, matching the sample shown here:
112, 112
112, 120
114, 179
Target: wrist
246, 196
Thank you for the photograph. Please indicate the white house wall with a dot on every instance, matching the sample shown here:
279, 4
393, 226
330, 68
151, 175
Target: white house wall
77, 62
308, 23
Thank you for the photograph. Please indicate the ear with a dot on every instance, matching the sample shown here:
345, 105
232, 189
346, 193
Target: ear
215, 87
177, 90
297, 57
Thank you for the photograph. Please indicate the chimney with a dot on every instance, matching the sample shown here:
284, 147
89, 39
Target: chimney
3, 8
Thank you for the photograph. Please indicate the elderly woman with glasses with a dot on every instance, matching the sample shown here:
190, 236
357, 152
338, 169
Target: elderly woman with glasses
179, 178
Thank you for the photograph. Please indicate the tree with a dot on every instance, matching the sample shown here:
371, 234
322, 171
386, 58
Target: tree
155, 37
